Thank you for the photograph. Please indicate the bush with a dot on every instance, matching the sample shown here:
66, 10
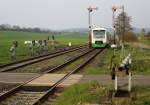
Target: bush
130, 37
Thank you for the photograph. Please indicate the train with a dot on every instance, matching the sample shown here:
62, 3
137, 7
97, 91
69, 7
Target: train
99, 38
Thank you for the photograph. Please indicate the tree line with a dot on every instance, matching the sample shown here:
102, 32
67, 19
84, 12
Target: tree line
7, 27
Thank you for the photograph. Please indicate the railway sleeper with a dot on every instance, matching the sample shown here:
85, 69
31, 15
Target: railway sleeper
28, 95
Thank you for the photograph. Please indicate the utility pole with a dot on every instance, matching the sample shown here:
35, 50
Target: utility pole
90, 9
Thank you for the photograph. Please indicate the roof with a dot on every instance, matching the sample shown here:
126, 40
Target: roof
99, 28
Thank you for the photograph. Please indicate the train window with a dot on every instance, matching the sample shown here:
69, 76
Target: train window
99, 33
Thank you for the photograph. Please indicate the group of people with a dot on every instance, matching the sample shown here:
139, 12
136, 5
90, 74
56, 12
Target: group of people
39, 48
35, 47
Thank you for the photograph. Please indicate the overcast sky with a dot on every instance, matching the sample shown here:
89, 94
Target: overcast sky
63, 14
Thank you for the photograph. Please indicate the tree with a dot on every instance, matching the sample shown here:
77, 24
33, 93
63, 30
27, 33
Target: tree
5, 27
122, 25
15, 28
142, 34
148, 34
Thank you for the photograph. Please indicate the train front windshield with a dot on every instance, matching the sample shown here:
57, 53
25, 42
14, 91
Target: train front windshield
99, 33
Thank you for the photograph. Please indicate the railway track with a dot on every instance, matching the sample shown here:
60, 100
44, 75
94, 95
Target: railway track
40, 96
51, 100
19, 64
5, 86
50, 63
53, 52
47, 70
52, 70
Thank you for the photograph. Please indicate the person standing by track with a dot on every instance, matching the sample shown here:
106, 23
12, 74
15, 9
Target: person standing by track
33, 48
45, 47
13, 50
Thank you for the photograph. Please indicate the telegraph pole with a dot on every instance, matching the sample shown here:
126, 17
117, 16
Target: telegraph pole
90, 9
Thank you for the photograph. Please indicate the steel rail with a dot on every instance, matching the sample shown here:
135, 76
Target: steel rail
32, 58
51, 90
68, 62
29, 62
15, 89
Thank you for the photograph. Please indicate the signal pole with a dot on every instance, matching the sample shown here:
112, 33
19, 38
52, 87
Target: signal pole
113, 17
123, 24
90, 9
123, 33
114, 9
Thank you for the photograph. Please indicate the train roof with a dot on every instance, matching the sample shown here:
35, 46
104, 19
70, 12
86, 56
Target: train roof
99, 28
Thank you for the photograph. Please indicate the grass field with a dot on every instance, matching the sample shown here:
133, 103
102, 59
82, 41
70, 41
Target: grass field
140, 56
93, 93
6, 38
145, 41
90, 93
140, 61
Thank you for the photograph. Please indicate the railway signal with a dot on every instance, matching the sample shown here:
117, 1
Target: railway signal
90, 10
114, 9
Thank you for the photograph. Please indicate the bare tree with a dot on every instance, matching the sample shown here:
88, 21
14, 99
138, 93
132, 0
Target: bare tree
122, 24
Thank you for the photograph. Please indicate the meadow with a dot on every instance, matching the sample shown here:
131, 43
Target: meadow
140, 61
7, 37
89, 93
93, 93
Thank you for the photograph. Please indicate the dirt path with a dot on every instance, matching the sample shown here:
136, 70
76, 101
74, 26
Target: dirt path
16, 77
49, 79
137, 80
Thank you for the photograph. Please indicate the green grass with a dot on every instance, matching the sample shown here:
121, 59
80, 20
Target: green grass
145, 41
79, 94
142, 96
94, 93
6, 38
140, 61
138, 96
100, 65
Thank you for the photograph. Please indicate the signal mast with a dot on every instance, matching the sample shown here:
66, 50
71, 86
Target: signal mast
114, 9
90, 10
